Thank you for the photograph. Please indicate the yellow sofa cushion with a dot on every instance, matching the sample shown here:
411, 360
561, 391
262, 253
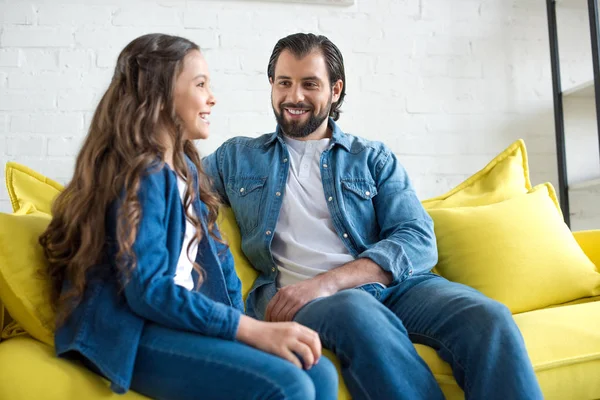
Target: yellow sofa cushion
231, 234
590, 244
29, 370
24, 290
25, 185
518, 252
506, 176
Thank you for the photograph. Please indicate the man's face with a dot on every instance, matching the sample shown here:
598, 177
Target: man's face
301, 94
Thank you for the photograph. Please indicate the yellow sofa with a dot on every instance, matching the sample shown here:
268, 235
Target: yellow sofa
563, 340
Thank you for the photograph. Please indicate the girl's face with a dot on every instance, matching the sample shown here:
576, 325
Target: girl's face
193, 99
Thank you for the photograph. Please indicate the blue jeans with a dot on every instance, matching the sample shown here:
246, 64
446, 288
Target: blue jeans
372, 330
174, 364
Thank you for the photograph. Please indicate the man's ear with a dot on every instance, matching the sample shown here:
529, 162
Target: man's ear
271, 81
336, 91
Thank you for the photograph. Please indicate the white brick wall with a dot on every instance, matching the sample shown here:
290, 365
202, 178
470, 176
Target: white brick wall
447, 84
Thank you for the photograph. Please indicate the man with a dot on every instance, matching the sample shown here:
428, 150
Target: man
344, 246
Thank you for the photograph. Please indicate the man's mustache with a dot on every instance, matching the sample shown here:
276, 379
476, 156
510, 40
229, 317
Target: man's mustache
303, 106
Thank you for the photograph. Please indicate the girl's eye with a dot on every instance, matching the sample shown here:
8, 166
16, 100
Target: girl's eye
201, 84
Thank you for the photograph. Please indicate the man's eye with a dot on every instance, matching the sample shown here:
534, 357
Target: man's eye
284, 83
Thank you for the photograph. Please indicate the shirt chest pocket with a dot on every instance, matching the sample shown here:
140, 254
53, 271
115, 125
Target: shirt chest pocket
246, 197
358, 197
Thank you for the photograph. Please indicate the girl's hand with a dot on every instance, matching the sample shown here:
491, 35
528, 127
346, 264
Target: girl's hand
289, 340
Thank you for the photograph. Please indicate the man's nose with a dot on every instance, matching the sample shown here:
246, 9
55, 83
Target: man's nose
297, 94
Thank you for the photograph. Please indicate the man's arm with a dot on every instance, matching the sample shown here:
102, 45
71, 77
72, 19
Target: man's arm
288, 300
407, 245
407, 242
212, 168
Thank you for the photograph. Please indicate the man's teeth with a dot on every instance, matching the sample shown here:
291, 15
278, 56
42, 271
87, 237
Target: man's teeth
296, 112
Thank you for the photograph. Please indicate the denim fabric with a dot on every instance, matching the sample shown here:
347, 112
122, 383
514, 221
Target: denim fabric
182, 365
372, 331
106, 326
373, 206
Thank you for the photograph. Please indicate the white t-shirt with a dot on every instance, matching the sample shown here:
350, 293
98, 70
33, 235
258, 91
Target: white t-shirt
305, 242
183, 274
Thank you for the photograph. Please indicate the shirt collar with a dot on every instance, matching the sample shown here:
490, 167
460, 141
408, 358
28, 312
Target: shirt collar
337, 136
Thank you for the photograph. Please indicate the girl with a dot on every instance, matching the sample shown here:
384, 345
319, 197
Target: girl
145, 290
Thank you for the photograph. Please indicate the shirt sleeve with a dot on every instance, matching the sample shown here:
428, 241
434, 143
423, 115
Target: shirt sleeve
407, 242
151, 291
212, 168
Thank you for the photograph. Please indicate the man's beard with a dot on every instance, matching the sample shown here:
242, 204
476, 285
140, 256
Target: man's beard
297, 129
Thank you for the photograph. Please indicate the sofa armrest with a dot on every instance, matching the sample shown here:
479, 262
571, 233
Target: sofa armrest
590, 244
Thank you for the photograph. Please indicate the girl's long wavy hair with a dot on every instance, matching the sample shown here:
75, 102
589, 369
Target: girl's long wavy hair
131, 128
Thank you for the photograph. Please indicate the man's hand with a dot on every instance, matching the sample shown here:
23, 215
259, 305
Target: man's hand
289, 299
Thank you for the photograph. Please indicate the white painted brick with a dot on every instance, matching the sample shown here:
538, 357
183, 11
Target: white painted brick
4, 124
206, 39
58, 147
3, 79
256, 42
251, 125
117, 37
10, 58
48, 80
57, 124
107, 58
442, 46
96, 79
40, 60
75, 59
232, 82
78, 100
26, 146
199, 16
11, 100
36, 37
20, 123
245, 101
17, 14
452, 10
149, 15
227, 61
254, 61
73, 14
5, 205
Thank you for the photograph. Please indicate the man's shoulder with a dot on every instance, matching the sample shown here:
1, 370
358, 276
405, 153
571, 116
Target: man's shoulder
246, 141
358, 144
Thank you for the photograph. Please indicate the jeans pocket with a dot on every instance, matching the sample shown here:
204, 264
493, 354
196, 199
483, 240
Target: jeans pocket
374, 289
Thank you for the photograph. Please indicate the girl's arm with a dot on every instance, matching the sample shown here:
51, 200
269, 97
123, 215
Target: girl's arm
151, 292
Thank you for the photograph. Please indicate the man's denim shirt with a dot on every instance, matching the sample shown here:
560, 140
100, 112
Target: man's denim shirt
373, 206
105, 328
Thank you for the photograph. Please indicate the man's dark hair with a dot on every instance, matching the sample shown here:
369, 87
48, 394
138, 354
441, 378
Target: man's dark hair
300, 44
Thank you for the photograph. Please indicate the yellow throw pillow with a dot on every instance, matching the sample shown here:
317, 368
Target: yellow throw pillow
231, 233
25, 291
28, 186
506, 176
518, 252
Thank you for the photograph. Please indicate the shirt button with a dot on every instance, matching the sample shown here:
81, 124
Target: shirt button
330, 198
285, 160
242, 190
273, 269
324, 165
345, 235
268, 233
367, 193
278, 194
